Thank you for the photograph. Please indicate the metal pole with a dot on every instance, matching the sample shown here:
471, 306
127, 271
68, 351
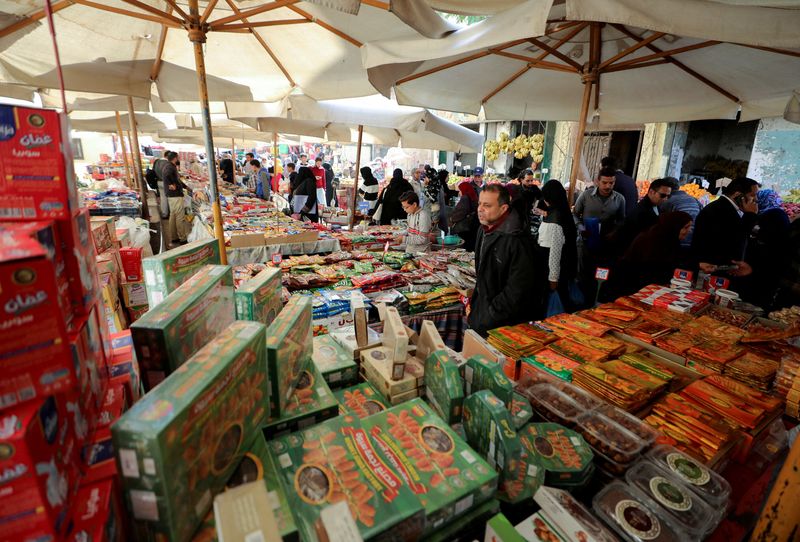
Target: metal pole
355, 181
197, 35
137, 160
124, 150
233, 156
275, 160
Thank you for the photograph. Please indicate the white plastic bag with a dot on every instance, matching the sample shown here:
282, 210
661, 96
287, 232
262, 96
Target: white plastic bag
139, 231
199, 231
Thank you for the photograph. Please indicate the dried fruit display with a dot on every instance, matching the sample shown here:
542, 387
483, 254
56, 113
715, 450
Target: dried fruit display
179, 444
289, 347
259, 299
444, 387
334, 362
311, 402
481, 373
164, 272
361, 400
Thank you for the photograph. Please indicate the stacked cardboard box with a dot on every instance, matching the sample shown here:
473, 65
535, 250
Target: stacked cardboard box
164, 272
311, 402
259, 299
289, 349
334, 362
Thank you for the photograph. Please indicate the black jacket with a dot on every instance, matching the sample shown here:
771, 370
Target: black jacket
720, 234
167, 172
390, 198
507, 291
306, 185
641, 219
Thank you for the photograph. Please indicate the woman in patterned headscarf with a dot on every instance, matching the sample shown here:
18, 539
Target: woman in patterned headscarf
768, 199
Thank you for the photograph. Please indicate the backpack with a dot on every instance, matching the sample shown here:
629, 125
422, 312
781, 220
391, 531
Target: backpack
151, 178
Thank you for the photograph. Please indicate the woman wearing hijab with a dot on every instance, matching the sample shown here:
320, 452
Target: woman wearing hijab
330, 191
558, 240
389, 200
768, 250
369, 188
653, 255
464, 219
306, 185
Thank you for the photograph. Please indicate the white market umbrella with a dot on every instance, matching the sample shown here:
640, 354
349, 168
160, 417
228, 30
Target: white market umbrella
619, 61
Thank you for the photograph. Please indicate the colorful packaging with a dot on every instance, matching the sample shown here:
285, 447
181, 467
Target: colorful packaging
178, 446
521, 410
131, 259
444, 387
549, 361
98, 460
36, 178
79, 257
499, 529
522, 485
34, 349
570, 517
361, 400
169, 334
481, 373
540, 528
243, 514
259, 299
337, 461
439, 467
490, 431
134, 294
311, 403
104, 236
334, 362
563, 454
164, 272
95, 515
289, 348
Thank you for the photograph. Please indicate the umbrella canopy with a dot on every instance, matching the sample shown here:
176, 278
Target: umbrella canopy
147, 124
646, 61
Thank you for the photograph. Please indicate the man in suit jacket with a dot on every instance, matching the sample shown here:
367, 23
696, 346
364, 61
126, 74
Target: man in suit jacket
723, 227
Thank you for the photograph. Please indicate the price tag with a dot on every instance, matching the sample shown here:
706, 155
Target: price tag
277, 258
601, 273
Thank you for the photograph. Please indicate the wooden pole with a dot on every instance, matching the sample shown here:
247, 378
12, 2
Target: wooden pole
355, 181
276, 168
197, 35
233, 156
137, 160
124, 150
780, 518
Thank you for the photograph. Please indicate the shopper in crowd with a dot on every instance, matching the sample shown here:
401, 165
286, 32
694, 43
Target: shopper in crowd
418, 239
330, 192
505, 290
557, 240
304, 195
369, 188
275, 180
262, 177
529, 196
416, 181
319, 176
303, 160
437, 193
248, 157
226, 169
464, 218
653, 256
769, 251
623, 184
167, 171
789, 290
681, 201
477, 179
723, 227
645, 214
389, 199
291, 174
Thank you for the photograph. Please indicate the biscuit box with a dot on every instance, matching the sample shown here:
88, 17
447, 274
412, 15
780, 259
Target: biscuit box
104, 236
259, 299
521, 410
361, 400
95, 516
243, 514
490, 431
289, 348
522, 484
444, 388
168, 270
80, 260
88, 361
36, 180
178, 446
441, 469
168, 335
131, 260
563, 454
311, 402
336, 365
376, 365
38, 469
481, 373
337, 461
34, 348
97, 457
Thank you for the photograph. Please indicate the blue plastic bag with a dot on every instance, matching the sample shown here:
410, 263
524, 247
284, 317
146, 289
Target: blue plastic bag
575, 294
554, 305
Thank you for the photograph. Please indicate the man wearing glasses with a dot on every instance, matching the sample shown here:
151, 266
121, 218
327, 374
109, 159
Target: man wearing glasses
645, 215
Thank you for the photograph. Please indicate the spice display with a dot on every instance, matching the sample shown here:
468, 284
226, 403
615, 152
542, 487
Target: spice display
289, 349
444, 387
361, 400
168, 270
333, 362
259, 299
311, 402
481, 373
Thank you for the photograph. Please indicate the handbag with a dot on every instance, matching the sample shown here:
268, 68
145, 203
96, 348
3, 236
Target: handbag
376, 216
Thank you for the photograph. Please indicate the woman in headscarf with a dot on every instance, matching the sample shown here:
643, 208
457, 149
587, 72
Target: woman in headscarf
768, 199
464, 219
768, 249
330, 191
369, 188
305, 185
389, 199
437, 193
558, 240
653, 255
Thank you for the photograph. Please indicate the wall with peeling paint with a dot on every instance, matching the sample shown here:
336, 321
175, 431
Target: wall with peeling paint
775, 161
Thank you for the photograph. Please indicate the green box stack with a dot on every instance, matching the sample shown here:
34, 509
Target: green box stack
491, 432
311, 403
361, 400
444, 387
337, 366
481, 373
259, 299
178, 446
289, 347
166, 271
563, 454
521, 410
169, 334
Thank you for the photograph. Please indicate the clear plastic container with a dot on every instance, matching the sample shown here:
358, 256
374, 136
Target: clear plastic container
707, 483
675, 497
630, 422
633, 515
609, 438
612, 468
554, 405
583, 398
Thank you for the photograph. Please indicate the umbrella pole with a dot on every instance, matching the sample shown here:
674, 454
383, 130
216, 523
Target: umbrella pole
124, 150
355, 181
197, 35
576, 154
275, 153
233, 155
137, 160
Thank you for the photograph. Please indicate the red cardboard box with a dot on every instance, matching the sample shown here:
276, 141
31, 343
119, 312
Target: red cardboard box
96, 516
80, 259
34, 349
88, 359
132, 264
114, 404
97, 458
38, 467
36, 177
104, 233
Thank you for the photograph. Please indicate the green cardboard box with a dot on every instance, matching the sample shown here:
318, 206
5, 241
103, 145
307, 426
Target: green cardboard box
169, 334
361, 400
166, 271
499, 529
259, 299
289, 348
523, 484
334, 362
178, 445
521, 410
490, 431
481, 373
311, 402
336, 461
444, 387
564, 455
467, 525
443, 471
